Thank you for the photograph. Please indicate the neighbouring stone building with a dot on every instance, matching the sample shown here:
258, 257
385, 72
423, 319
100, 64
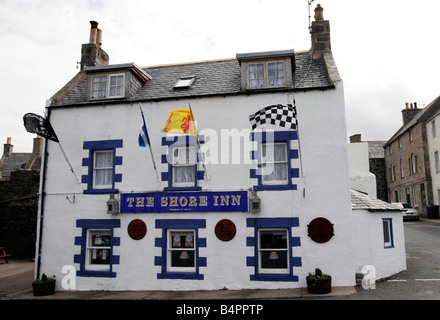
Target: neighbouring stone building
408, 158
19, 188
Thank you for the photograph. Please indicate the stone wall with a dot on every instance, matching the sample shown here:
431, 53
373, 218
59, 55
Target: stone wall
18, 213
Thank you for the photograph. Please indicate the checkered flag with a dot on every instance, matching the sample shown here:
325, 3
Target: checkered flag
279, 115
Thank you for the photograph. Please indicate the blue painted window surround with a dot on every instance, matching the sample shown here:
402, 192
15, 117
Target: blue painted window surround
89, 224
94, 146
273, 224
278, 137
388, 237
182, 141
163, 243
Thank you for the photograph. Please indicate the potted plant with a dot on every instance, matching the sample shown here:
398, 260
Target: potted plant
44, 286
318, 282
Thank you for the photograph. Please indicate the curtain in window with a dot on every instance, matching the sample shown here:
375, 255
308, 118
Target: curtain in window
103, 168
275, 73
274, 162
116, 86
183, 165
99, 87
256, 75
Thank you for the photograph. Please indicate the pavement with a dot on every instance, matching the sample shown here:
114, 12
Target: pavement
17, 275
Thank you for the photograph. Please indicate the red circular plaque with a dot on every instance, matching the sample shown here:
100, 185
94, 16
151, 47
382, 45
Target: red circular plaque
137, 229
320, 230
225, 230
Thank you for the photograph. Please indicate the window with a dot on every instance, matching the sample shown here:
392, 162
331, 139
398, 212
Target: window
402, 174
434, 129
437, 162
415, 196
98, 249
181, 251
184, 166
267, 74
273, 251
275, 153
413, 163
108, 86
182, 157
273, 243
184, 82
103, 169
101, 164
274, 163
179, 245
387, 233
97, 243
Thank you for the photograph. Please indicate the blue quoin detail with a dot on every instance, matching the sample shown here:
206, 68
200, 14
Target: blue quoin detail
81, 241
93, 146
277, 136
252, 261
161, 260
182, 141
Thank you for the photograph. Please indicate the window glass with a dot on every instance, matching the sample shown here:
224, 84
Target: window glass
273, 250
274, 162
256, 75
182, 249
275, 73
99, 87
183, 165
103, 168
98, 247
387, 236
116, 88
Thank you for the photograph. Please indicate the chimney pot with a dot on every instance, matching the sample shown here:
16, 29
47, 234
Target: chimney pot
319, 13
7, 148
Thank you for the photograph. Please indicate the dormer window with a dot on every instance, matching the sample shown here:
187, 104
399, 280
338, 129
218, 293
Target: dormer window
267, 74
108, 86
271, 70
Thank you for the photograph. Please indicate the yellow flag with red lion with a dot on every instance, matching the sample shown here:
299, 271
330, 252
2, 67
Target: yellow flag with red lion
181, 121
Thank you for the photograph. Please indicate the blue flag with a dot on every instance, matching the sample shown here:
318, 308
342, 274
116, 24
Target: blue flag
144, 139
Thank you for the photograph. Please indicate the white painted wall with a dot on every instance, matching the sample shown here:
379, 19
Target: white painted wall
325, 184
361, 178
369, 243
434, 146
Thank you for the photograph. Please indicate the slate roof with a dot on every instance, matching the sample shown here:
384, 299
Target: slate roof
219, 77
423, 116
362, 201
19, 160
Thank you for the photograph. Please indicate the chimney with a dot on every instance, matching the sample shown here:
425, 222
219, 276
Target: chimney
7, 148
320, 31
409, 112
38, 146
91, 53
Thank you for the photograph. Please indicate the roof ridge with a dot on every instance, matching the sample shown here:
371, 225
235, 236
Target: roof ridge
187, 63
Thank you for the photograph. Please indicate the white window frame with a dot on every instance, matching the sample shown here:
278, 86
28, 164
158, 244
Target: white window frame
265, 163
96, 169
437, 162
189, 150
265, 79
260, 250
184, 82
170, 250
90, 248
108, 86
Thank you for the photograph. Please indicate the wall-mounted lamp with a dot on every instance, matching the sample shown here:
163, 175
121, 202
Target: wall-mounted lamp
112, 205
255, 203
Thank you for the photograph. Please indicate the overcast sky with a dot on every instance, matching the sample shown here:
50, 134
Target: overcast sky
387, 52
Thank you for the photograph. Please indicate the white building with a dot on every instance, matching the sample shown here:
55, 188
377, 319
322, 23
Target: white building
192, 229
433, 142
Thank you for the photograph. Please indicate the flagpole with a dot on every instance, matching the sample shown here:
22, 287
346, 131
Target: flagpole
149, 144
198, 144
68, 162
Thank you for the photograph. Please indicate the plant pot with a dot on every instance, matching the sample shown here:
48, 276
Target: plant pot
320, 286
44, 288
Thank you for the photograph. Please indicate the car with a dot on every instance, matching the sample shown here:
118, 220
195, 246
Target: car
409, 213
